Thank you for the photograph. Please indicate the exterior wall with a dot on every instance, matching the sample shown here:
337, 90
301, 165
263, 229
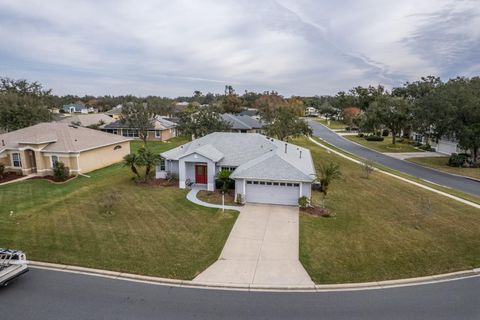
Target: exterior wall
101, 157
306, 190
169, 134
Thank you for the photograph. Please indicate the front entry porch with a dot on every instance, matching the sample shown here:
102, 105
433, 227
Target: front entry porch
197, 173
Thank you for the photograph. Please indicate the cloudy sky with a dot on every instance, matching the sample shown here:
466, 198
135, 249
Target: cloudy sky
170, 48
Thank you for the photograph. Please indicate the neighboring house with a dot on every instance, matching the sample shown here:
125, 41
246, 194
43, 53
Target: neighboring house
444, 145
265, 170
242, 123
115, 113
251, 112
311, 112
88, 120
35, 149
77, 108
162, 130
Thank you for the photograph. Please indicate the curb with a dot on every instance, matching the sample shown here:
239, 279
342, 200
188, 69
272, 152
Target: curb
459, 275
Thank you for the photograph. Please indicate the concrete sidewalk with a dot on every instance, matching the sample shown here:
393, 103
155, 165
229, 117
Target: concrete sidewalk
407, 155
262, 249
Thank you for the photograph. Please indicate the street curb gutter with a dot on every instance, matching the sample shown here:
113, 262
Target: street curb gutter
260, 288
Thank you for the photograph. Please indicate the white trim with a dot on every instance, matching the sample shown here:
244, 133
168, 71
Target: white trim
19, 159
41, 142
51, 160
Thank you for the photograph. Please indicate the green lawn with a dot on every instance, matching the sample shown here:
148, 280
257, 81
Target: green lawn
385, 229
334, 124
159, 146
385, 145
153, 230
440, 163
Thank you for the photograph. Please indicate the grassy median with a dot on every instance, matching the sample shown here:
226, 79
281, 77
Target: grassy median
402, 145
150, 230
385, 229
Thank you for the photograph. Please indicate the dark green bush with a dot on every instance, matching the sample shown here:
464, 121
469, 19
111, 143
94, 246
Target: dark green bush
374, 138
385, 133
219, 184
457, 160
361, 135
60, 171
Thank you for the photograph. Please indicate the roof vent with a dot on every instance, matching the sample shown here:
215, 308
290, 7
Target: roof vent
300, 154
286, 145
3, 142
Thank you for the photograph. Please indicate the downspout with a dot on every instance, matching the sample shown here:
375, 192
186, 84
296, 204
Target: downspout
78, 168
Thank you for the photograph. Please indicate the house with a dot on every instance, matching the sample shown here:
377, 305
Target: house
78, 108
115, 113
265, 170
311, 112
242, 123
444, 145
35, 149
251, 112
162, 129
88, 120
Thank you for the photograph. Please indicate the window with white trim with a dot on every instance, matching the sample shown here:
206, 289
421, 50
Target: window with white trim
54, 160
158, 134
228, 168
16, 160
162, 165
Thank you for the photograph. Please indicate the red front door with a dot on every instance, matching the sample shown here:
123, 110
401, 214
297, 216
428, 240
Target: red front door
200, 174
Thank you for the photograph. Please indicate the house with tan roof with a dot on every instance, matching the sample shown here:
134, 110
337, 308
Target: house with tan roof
35, 149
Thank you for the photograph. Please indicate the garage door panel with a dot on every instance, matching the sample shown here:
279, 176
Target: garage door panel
286, 195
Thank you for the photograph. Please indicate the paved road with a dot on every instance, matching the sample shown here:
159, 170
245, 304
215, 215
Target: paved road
445, 179
42, 294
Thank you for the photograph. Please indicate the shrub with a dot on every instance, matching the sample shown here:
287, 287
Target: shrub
171, 176
303, 202
60, 171
2, 170
239, 199
230, 184
374, 138
385, 133
457, 160
361, 135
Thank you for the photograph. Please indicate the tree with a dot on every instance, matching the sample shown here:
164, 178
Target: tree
23, 104
285, 124
147, 159
131, 161
139, 117
200, 123
224, 177
351, 115
393, 112
231, 103
267, 104
328, 173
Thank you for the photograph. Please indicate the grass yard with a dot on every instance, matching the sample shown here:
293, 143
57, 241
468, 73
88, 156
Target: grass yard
216, 197
334, 124
440, 163
385, 145
153, 230
385, 229
159, 146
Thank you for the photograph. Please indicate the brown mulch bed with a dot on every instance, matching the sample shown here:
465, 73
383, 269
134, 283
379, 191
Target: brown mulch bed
318, 211
52, 179
9, 176
162, 183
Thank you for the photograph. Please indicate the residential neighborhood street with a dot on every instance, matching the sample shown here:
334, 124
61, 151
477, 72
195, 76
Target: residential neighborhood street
434, 176
42, 294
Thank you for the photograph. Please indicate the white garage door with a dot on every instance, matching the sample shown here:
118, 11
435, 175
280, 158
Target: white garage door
272, 192
447, 147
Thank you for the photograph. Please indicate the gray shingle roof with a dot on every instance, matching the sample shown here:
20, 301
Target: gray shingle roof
241, 122
254, 155
160, 123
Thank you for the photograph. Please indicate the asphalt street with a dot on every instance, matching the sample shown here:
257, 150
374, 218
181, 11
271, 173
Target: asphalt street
44, 294
441, 178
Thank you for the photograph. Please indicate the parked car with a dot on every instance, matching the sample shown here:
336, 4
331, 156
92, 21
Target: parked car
13, 263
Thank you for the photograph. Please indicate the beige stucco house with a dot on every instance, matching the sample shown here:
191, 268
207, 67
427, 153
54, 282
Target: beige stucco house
35, 149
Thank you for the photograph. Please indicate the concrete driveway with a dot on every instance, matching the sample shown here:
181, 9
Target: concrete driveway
262, 249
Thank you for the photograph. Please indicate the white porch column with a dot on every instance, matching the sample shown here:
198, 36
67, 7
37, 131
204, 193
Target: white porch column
301, 191
211, 176
181, 174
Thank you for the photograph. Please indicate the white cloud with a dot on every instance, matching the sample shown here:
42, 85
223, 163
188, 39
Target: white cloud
174, 47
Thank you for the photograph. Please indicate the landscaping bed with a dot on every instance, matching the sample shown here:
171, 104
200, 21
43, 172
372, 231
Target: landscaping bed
402, 145
9, 176
215, 197
52, 179
384, 229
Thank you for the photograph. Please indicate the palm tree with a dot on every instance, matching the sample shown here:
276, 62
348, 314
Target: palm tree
224, 176
147, 159
131, 160
328, 173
